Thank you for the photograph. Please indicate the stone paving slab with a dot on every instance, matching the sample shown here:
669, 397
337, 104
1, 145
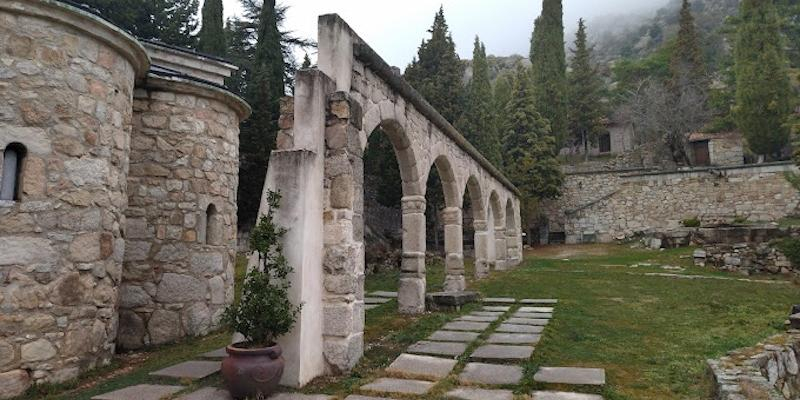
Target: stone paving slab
401, 386
490, 374
496, 352
298, 396
499, 300
438, 348
466, 326
512, 328
190, 370
496, 308
477, 318
448, 336
564, 396
391, 295
209, 393
548, 310
533, 315
571, 376
539, 301
528, 321
513, 338
465, 393
376, 300
217, 354
357, 397
426, 367
487, 313
140, 392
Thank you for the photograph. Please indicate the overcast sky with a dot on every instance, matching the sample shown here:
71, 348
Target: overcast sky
395, 29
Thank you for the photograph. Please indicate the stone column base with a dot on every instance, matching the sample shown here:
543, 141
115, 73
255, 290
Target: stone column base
455, 283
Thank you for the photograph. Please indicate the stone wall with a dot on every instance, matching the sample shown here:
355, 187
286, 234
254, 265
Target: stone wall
66, 86
181, 219
766, 371
609, 205
745, 258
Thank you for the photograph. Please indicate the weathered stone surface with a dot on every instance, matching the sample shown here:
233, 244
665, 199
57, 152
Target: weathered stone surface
410, 365
189, 370
465, 393
533, 315
496, 308
176, 288
7, 354
510, 328
25, 251
448, 336
528, 321
476, 318
487, 313
209, 393
499, 300
216, 354
140, 392
494, 352
571, 376
490, 374
39, 350
14, 383
547, 310
513, 338
438, 348
539, 301
376, 300
299, 396
400, 386
466, 326
162, 327
391, 295
358, 397
541, 395
196, 319
449, 300
203, 264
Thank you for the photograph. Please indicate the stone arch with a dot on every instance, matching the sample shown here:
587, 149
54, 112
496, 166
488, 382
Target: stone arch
451, 220
513, 245
12, 174
497, 236
479, 214
403, 150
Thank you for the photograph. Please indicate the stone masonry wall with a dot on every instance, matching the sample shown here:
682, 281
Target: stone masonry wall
178, 270
66, 97
614, 205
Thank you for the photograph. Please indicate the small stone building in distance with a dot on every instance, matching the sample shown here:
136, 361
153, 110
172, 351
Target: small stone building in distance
119, 173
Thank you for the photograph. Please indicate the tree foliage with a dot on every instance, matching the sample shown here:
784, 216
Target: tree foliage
585, 94
478, 122
529, 148
686, 63
550, 68
437, 72
211, 39
169, 21
264, 312
763, 91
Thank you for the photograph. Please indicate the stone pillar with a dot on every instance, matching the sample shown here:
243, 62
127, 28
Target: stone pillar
411, 291
501, 262
481, 249
454, 250
512, 246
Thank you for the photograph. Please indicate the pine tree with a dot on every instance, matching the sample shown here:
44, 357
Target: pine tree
306, 62
686, 65
478, 122
529, 148
211, 39
763, 91
549, 68
168, 21
585, 94
437, 73
264, 90
503, 86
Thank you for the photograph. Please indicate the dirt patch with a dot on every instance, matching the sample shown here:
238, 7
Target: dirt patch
570, 251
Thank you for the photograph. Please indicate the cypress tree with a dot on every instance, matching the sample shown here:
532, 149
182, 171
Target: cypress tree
585, 94
763, 91
686, 64
264, 90
306, 62
437, 72
168, 21
529, 148
478, 123
550, 68
211, 39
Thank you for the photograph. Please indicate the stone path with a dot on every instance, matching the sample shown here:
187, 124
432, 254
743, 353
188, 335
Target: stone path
190, 370
140, 392
571, 376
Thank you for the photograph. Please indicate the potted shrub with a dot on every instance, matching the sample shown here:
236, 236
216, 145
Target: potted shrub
263, 313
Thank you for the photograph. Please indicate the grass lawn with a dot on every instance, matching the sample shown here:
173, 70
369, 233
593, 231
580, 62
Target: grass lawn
652, 334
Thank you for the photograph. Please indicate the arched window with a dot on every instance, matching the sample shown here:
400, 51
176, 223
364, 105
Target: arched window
12, 172
212, 226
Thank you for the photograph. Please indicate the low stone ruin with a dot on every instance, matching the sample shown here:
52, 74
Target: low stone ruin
745, 258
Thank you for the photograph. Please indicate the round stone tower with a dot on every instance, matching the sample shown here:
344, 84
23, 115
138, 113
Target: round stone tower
66, 92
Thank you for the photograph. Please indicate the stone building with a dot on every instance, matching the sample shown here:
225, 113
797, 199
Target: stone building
717, 149
117, 208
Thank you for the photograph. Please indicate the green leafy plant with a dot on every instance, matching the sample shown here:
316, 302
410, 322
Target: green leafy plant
790, 247
691, 222
264, 312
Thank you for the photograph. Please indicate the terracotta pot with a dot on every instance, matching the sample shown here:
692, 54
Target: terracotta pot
251, 372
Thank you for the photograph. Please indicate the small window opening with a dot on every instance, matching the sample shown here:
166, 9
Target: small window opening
11, 183
212, 226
